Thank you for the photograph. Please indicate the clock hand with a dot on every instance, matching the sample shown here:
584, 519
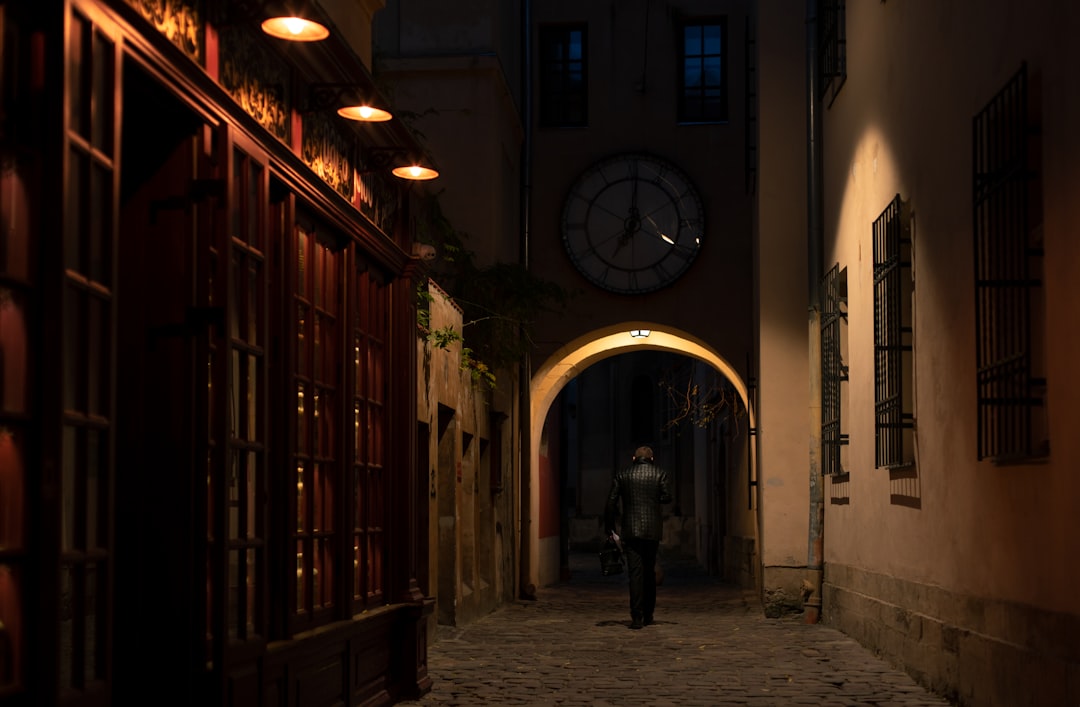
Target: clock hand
656, 227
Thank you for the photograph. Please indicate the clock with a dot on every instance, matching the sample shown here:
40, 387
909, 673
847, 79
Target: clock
632, 223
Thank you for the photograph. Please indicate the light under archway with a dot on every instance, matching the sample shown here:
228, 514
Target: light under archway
570, 361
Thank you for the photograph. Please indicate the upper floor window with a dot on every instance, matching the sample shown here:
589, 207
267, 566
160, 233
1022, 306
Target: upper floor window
832, 48
563, 77
1009, 310
893, 365
703, 72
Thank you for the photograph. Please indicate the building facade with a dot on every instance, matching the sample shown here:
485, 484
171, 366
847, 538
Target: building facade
208, 484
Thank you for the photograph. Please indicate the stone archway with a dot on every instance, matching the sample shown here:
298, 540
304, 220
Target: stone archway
571, 360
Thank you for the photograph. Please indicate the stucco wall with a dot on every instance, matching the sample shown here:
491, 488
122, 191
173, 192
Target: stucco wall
998, 541
782, 302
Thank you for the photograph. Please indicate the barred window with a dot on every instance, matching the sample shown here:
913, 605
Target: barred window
563, 77
1009, 307
893, 288
833, 370
832, 48
703, 73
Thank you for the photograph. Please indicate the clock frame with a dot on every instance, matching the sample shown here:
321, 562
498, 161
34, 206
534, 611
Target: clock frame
633, 223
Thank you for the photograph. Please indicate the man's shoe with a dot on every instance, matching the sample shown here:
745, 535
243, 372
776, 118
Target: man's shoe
636, 624
649, 621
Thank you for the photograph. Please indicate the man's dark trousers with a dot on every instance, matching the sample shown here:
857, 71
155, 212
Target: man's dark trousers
641, 573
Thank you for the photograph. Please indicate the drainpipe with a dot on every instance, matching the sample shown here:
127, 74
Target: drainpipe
815, 227
525, 588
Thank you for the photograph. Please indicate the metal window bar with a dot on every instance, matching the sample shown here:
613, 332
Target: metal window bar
1007, 391
833, 371
832, 47
891, 333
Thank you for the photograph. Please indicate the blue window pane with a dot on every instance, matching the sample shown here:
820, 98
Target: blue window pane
692, 74
712, 39
692, 41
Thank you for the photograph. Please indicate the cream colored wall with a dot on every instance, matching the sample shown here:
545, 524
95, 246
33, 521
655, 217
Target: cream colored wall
918, 72
782, 299
974, 589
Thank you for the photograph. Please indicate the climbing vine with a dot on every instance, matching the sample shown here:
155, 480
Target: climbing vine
500, 302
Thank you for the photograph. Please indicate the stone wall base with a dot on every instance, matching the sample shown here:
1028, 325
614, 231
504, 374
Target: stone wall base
974, 651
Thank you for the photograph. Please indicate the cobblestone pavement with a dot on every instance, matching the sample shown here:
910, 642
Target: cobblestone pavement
711, 646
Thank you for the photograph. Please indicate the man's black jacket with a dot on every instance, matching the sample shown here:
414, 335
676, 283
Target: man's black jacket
642, 487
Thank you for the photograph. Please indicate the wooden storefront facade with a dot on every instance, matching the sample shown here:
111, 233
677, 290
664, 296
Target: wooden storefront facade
208, 487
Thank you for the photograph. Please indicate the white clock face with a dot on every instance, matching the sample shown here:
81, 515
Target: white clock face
632, 223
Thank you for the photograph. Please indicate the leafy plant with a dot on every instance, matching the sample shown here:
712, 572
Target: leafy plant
500, 302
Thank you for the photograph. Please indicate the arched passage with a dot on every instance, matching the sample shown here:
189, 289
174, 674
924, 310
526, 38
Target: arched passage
570, 361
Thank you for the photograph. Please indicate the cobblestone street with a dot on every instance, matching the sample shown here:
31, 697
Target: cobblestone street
710, 646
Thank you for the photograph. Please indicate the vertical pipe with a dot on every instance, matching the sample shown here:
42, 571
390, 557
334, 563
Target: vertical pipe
525, 463
815, 564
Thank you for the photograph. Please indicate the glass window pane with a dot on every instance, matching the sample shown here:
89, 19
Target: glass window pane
692, 41
301, 419
301, 498
301, 602
711, 35
78, 169
102, 122
99, 225
67, 628
251, 497
12, 492
254, 301
11, 611
14, 352
235, 389
251, 602
69, 476
253, 235
252, 418
233, 592
76, 63
93, 631
301, 338
96, 487
232, 497
97, 360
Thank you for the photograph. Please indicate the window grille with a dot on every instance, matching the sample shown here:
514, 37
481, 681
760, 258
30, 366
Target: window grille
893, 419
703, 72
1008, 279
832, 48
833, 370
563, 77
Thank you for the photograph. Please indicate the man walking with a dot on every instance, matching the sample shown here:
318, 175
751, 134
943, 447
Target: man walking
641, 488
